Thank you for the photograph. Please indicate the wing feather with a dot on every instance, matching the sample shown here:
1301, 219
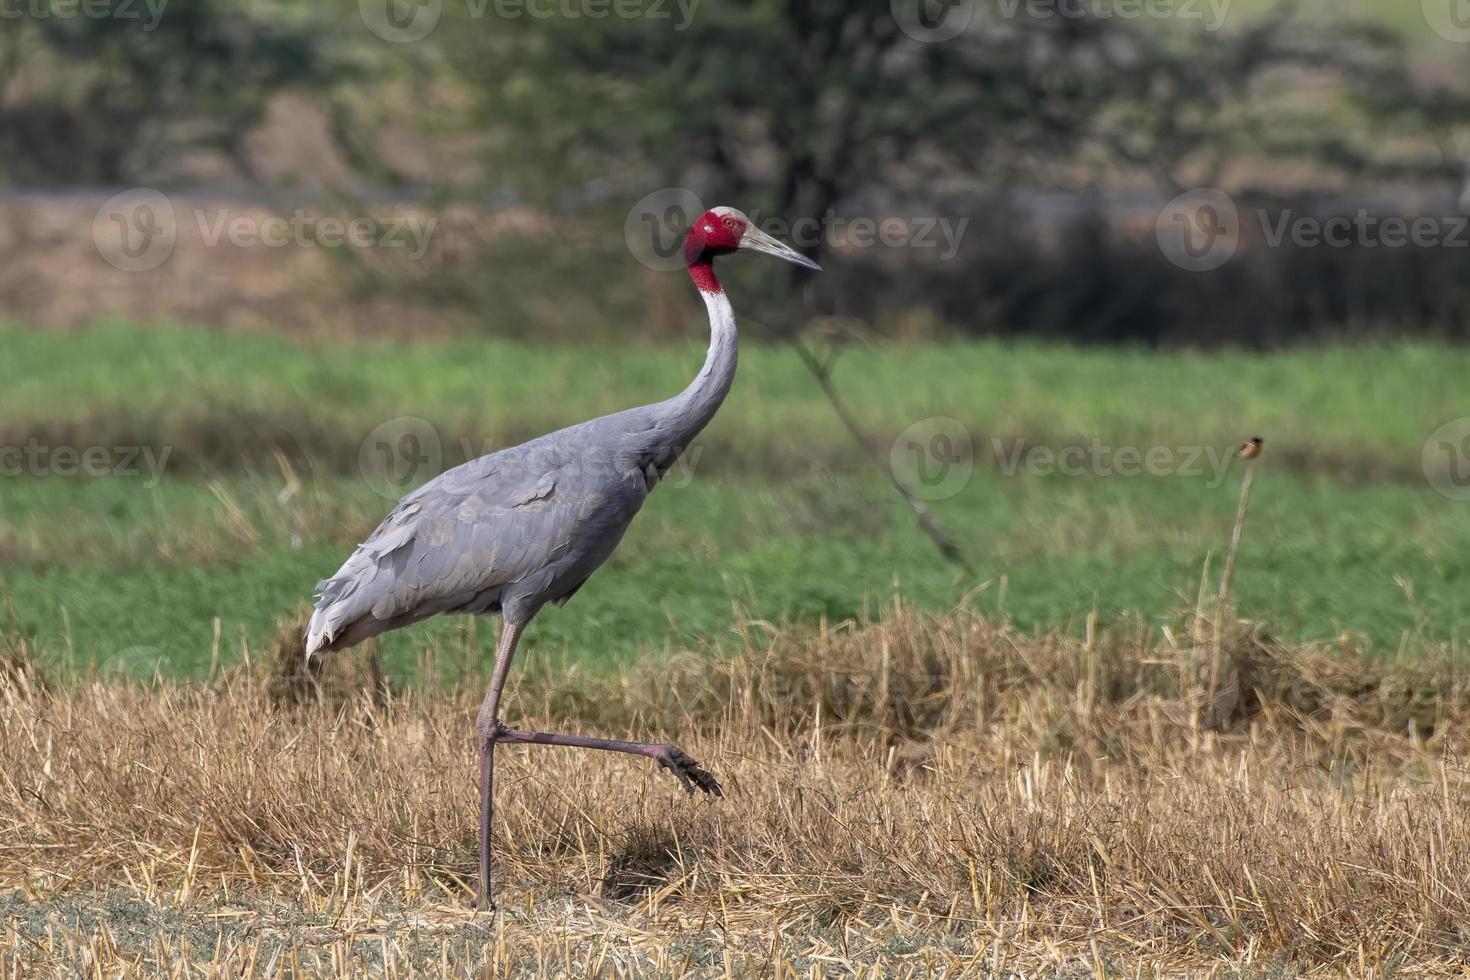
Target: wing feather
451, 545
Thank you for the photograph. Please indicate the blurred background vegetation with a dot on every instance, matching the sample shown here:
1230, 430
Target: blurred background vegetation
531, 126
530, 141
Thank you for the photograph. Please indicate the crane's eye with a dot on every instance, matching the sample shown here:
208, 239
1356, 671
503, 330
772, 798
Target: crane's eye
729, 222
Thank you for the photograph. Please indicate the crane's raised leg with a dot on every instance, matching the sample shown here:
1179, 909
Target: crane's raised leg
689, 773
487, 728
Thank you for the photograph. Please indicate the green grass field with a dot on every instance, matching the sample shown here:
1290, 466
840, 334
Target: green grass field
777, 517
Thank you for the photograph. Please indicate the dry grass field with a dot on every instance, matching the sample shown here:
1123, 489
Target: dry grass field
921, 795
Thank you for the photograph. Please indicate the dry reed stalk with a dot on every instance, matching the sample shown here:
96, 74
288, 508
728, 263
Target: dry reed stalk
1249, 452
1217, 707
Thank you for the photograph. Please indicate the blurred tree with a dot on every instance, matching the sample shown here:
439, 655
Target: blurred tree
798, 105
116, 91
805, 109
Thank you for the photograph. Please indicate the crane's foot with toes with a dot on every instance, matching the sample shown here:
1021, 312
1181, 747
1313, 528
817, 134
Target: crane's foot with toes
691, 774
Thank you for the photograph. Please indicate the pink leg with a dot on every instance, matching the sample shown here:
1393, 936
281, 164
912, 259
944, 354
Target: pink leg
486, 725
489, 730
669, 757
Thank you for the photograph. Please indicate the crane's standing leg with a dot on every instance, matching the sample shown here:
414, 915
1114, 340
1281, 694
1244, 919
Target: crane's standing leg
487, 728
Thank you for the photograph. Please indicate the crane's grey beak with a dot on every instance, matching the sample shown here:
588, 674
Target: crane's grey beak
758, 241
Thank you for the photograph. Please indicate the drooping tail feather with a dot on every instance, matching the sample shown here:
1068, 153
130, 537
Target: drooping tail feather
332, 616
341, 621
318, 635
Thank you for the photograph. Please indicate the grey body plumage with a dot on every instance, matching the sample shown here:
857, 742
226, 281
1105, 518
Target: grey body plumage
507, 532
514, 530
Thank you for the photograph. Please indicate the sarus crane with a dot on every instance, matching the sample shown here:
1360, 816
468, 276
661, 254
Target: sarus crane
516, 529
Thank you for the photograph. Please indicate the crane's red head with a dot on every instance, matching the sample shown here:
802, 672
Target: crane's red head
722, 230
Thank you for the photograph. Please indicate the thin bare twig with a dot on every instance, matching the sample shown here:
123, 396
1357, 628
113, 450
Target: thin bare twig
821, 370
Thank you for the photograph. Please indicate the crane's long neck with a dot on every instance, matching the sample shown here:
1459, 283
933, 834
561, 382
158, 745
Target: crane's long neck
691, 410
